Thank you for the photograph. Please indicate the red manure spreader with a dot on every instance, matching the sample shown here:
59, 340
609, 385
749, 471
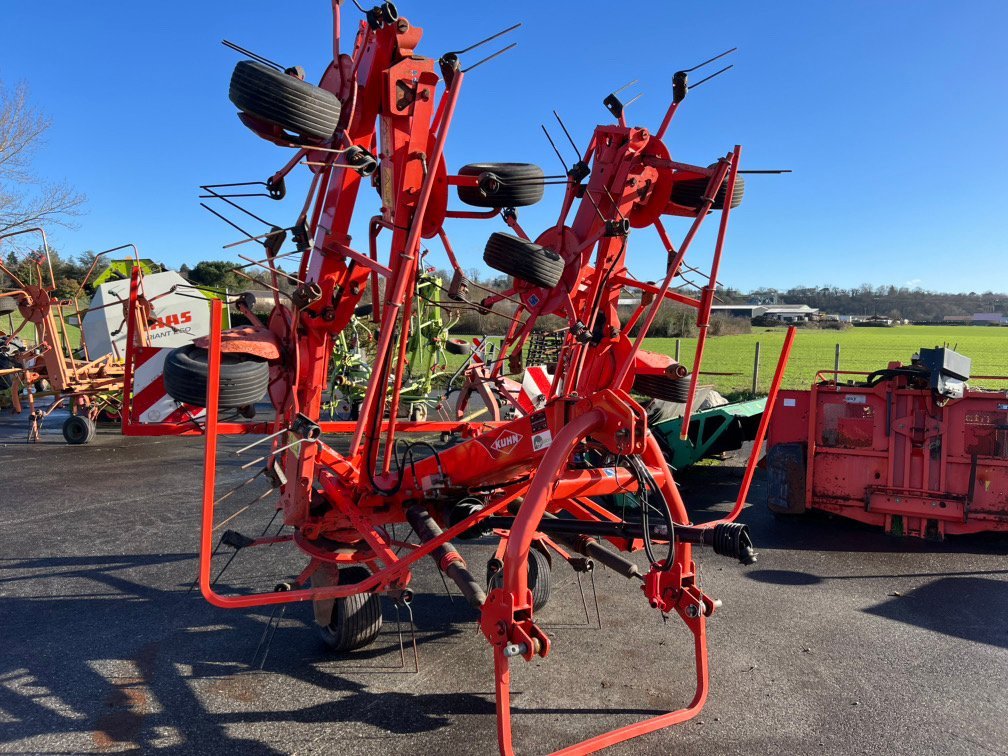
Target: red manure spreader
374, 132
913, 448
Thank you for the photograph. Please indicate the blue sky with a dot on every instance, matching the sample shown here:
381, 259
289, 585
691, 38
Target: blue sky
891, 114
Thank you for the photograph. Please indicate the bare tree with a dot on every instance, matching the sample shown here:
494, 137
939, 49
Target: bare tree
26, 199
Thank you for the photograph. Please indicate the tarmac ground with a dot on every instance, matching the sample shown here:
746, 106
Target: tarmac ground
839, 640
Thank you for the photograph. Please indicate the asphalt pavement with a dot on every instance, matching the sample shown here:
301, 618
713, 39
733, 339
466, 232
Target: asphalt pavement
839, 640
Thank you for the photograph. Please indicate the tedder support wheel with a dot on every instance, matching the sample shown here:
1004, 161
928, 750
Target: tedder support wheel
540, 578
690, 193
502, 184
356, 620
78, 429
6, 363
458, 346
665, 387
243, 378
523, 259
8, 304
293, 105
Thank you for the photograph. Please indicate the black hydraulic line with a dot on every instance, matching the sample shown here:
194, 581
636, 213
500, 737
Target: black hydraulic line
446, 556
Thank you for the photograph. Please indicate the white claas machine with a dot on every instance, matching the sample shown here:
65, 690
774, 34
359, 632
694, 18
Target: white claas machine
178, 314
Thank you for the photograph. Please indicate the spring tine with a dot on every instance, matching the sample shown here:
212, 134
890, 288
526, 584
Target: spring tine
212, 555
553, 145
274, 269
269, 259
613, 200
259, 238
402, 648
405, 540
708, 78
240, 194
231, 223
445, 582
270, 523
282, 526
628, 84
569, 138
277, 451
269, 643
237, 488
709, 60
263, 495
254, 56
490, 57
412, 632
598, 615
256, 280
257, 499
591, 199
226, 565
632, 100
262, 440
484, 41
266, 629
238, 207
584, 601
221, 524
208, 187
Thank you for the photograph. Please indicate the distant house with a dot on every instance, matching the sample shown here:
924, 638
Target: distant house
799, 313
990, 318
978, 318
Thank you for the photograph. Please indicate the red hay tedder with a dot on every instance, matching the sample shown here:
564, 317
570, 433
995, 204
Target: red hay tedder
381, 116
912, 448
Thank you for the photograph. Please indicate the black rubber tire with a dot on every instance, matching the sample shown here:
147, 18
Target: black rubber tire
8, 304
458, 346
356, 620
523, 260
664, 387
362, 311
6, 363
78, 429
294, 105
519, 185
690, 193
243, 379
540, 578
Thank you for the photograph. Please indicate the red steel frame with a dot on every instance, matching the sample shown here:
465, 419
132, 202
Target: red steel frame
893, 455
522, 465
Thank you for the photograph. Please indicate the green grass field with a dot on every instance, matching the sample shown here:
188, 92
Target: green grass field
863, 349
9, 323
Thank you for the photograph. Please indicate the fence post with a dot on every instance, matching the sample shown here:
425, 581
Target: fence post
755, 369
836, 365
677, 350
